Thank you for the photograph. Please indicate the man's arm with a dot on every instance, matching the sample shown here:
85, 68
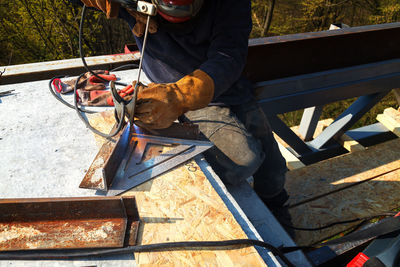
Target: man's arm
229, 43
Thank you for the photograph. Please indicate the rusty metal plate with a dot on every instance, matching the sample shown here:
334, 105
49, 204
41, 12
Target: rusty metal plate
94, 177
67, 223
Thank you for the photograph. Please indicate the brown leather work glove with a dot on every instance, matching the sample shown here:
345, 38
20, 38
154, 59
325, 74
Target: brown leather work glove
109, 8
159, 105
140, 24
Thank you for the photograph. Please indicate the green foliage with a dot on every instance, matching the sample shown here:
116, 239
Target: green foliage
42, 30
294, 16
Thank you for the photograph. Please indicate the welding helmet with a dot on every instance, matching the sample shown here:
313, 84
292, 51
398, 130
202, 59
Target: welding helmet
177, 11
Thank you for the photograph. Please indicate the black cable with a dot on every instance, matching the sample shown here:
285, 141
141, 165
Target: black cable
120, 121
81, 49
125, 66
69, 254
339, 222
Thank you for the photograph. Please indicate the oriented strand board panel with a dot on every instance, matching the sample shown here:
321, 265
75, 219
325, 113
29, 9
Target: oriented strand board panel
336, 173
372, 197
182, 205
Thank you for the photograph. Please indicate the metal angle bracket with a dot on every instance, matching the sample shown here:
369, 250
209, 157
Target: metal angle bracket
126, 167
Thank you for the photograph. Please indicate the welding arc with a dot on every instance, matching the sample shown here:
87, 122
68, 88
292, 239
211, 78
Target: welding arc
187, 245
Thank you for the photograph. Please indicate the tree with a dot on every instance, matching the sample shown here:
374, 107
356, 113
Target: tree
40, 30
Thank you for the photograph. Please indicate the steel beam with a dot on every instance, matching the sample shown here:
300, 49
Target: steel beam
325, 79
347, 119
284, 132
291, 55
322, 96
309, 122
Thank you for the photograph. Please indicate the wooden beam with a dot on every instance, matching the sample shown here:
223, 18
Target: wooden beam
350, 144
292, 162
391, 120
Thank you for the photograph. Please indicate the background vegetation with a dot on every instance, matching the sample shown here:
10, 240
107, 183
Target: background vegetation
41, 30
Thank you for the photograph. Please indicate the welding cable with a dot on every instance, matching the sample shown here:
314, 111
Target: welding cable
186, 245
59, 98
121, 121
82, 55
75, 106
363, 220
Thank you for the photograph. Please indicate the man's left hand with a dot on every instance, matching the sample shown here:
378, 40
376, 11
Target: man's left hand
159, 105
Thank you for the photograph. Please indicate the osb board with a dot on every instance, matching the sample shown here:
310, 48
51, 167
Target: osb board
336, 173
103, 122
182, 205
372, 197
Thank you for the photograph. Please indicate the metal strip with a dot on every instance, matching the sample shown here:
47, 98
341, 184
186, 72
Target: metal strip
121, 185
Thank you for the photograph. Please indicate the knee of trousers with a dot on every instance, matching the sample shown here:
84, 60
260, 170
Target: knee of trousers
236, 156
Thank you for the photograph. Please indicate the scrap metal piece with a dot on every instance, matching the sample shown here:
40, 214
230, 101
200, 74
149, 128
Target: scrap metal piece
136, 175
116, 152
67, 223
111, 151
133, 171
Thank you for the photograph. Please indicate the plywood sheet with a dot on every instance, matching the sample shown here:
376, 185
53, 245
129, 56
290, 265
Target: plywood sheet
318, 179
375, 196
182, 205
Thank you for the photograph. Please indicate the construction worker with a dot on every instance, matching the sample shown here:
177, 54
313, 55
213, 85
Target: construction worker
195, 55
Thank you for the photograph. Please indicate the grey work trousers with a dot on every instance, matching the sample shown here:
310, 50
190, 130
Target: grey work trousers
244, 146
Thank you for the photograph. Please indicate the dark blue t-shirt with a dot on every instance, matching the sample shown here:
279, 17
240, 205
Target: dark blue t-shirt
215, 41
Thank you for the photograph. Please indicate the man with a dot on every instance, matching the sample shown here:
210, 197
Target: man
195, 54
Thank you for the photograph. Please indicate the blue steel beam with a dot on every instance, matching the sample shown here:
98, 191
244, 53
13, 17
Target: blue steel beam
347, 119
309, 122
284, 132
325, 95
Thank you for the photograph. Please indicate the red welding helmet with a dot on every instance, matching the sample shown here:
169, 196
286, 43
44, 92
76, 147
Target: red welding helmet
177, 11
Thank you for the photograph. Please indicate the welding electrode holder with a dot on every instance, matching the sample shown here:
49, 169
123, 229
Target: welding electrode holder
122, 107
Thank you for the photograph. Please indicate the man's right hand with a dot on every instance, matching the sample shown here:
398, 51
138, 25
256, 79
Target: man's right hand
107, 6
